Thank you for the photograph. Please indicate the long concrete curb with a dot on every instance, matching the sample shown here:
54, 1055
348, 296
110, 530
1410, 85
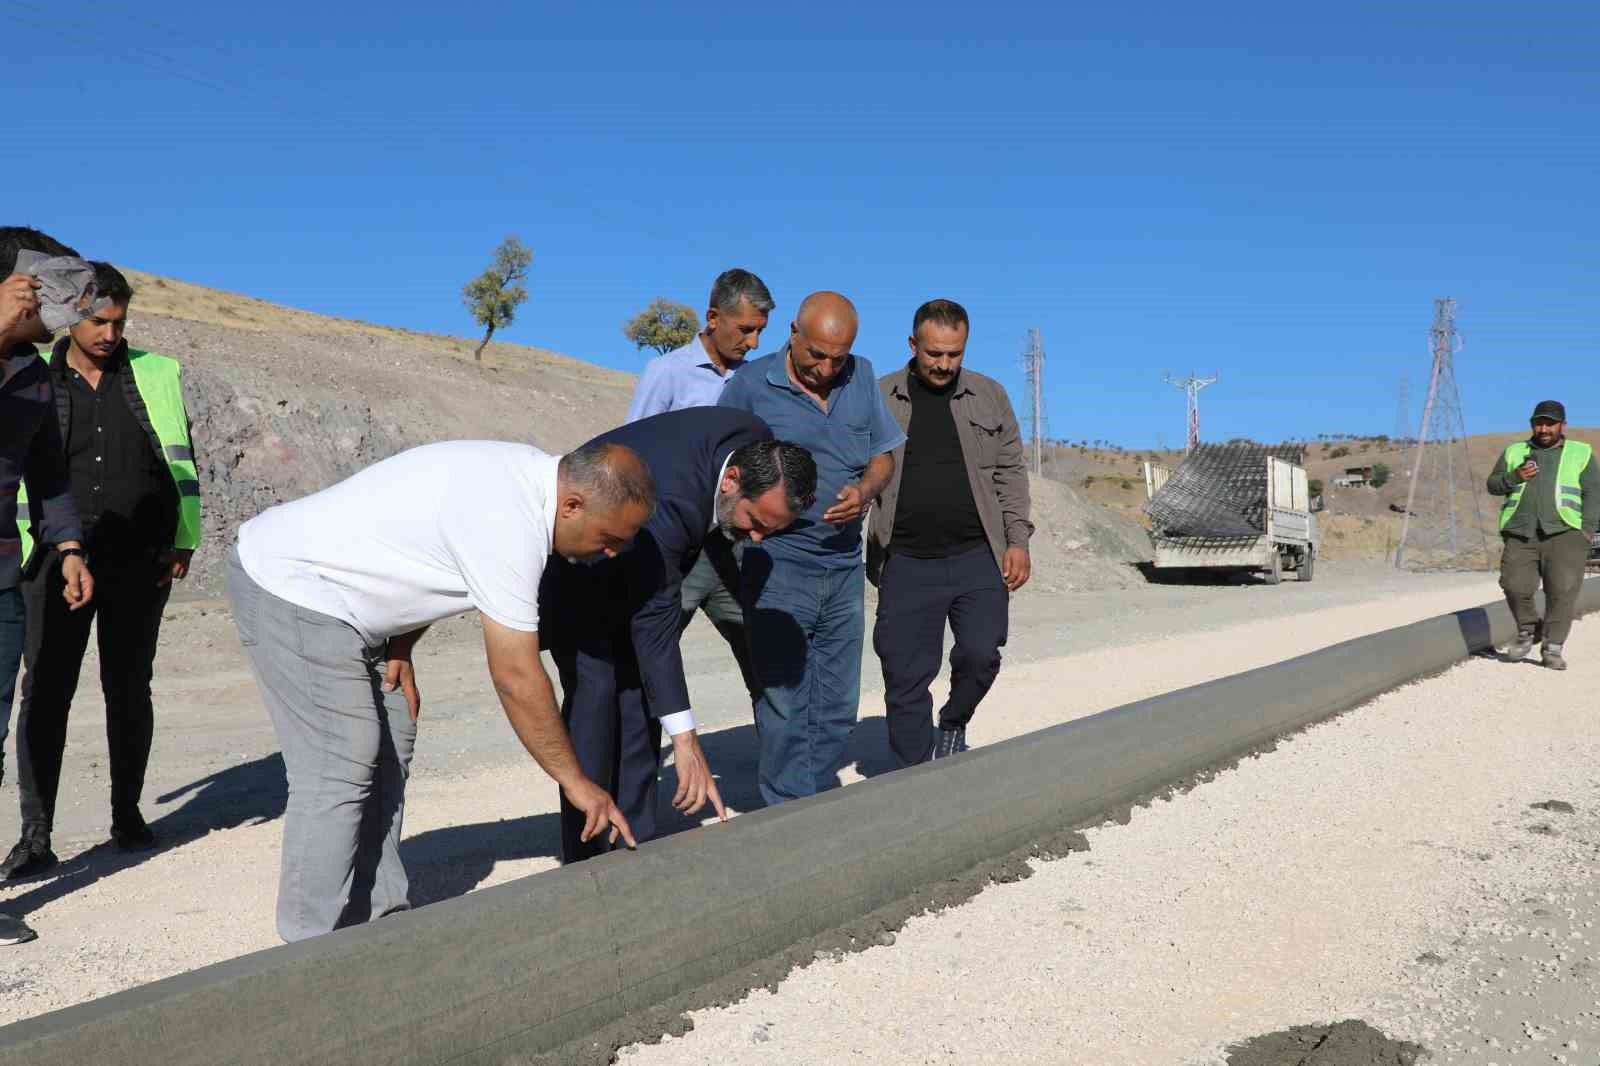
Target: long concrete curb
525, 967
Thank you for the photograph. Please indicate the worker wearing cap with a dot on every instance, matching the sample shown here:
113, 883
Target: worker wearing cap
1552, 508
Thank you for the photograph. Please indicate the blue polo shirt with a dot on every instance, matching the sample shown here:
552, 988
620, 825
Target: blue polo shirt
856, 427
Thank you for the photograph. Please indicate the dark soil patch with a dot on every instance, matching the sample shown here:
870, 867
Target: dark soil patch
1346, 1043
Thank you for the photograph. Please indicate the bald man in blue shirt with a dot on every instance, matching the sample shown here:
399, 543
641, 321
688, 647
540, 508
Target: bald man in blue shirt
804, 589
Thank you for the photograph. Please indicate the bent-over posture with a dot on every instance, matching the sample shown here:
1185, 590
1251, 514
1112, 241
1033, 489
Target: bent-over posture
331, 593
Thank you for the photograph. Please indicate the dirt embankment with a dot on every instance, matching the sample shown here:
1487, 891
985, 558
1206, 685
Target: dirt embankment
1078, 545
277, 415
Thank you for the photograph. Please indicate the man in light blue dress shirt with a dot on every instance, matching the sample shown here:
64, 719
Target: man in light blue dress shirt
694, 376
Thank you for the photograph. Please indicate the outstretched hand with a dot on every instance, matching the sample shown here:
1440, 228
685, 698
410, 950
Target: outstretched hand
599, 811
696, 784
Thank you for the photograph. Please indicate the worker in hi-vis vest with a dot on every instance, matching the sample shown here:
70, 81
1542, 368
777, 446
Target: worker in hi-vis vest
1552, 506
126, 436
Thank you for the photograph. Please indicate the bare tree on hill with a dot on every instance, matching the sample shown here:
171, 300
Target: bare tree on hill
493, 296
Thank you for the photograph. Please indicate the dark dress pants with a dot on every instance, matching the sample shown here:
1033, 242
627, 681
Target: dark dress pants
126, 610
617, 741
915, 598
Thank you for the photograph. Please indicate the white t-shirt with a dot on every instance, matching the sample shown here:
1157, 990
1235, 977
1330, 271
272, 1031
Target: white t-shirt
426, 534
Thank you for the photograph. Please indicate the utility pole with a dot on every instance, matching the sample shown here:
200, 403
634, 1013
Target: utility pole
1191, 387
1033, 371
1437, 530
1402, 412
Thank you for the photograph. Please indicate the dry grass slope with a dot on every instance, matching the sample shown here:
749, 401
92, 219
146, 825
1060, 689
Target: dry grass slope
184, 300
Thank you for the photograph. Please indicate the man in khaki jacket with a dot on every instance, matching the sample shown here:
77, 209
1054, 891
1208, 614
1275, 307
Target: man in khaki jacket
948, 538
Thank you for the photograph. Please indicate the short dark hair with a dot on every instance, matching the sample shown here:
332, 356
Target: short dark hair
613, 473
737, 286
14, 239
944, 312
764, 463
110, 284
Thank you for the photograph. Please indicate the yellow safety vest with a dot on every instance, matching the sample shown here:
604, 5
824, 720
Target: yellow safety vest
1569, 489
157, 378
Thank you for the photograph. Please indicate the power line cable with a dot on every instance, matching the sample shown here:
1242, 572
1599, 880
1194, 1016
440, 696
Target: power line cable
179, 69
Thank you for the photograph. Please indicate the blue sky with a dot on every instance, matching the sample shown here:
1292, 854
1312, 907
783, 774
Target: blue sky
1272, 192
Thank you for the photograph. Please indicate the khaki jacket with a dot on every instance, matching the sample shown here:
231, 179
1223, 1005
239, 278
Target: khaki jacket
991, 444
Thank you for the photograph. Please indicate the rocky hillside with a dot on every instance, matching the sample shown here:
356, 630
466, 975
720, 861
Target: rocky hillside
278, 415
285, 402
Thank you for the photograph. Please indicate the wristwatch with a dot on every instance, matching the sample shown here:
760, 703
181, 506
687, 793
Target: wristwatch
79, 552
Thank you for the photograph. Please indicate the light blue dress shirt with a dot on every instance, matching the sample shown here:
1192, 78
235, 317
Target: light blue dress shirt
685, 377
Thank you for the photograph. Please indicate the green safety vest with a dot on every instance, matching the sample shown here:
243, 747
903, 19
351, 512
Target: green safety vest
1569, 491
157, 379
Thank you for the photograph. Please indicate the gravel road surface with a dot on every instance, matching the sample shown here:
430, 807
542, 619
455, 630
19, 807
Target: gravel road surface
479, 813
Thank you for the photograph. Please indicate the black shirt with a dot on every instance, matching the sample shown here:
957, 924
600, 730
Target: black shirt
936, 516
125, 495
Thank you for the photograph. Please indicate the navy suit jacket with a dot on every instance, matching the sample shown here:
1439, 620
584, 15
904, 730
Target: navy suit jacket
684, 450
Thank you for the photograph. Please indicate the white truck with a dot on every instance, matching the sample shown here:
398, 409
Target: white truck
1235, 520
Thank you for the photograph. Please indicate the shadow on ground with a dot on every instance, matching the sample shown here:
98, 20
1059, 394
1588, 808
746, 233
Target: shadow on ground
247, 794
441, 863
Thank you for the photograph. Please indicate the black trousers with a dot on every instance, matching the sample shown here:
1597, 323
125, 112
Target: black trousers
617, 741
126, 611
915, 598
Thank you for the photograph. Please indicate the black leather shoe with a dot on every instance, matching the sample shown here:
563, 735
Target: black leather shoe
14, 930
130, 833
32, 855
950, 742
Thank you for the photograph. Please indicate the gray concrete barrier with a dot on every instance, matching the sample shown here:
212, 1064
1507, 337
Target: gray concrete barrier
527, 966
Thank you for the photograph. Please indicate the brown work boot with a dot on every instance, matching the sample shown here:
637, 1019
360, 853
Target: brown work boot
1521, 644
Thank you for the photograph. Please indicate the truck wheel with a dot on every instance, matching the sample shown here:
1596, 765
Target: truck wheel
1306, 565
1274, 573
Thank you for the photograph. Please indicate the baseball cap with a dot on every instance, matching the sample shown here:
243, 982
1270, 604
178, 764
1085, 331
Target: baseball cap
1550, 409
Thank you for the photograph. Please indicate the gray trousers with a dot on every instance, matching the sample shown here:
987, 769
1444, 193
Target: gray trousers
1556, 560
347, 751
704, 589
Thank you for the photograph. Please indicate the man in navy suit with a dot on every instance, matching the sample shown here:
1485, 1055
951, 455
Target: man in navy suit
718, 473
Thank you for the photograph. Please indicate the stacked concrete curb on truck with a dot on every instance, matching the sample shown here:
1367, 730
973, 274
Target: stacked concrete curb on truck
525, 967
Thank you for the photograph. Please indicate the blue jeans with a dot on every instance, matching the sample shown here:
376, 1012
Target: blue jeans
12, 632
806, 625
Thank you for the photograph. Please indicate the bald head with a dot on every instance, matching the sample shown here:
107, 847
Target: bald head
820, 337
604, 493
828, 316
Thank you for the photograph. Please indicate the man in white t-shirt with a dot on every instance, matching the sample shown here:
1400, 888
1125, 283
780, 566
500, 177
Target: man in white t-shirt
330, 594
